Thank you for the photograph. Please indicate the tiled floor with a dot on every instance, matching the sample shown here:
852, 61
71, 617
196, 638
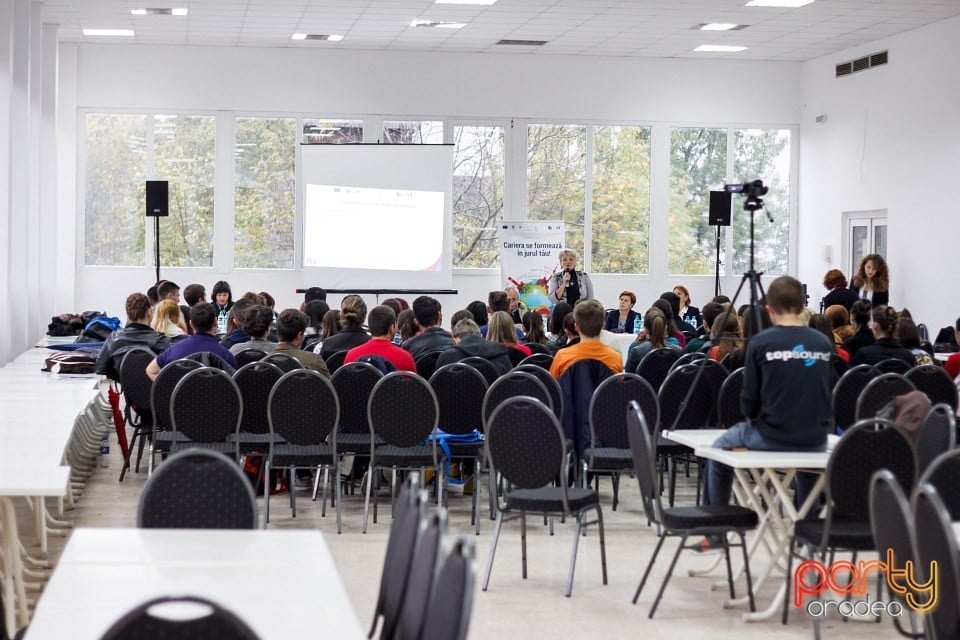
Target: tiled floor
514, 608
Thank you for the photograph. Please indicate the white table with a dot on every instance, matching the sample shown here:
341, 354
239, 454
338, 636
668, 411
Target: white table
283, 583
619, 341
763, 483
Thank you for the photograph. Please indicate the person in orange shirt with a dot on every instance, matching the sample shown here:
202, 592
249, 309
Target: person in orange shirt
588, 316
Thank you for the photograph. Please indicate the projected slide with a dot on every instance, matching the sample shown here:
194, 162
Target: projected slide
348, 227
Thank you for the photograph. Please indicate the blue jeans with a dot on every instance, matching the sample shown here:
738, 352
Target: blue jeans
718, 479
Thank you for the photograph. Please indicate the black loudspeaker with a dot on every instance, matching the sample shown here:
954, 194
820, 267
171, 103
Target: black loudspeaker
158, 201
720, 208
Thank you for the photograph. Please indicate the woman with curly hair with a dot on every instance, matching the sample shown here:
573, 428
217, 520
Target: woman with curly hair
872, 281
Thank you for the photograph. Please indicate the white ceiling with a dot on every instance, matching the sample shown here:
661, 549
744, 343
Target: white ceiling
630, 28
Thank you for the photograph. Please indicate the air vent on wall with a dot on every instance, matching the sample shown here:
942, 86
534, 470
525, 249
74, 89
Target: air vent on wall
862, 64
523, 43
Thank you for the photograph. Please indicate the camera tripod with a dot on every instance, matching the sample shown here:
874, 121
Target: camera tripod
752, 204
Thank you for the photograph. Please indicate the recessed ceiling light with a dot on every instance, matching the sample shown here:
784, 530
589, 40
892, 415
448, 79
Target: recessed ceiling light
437, 24
180, 12
719, 26
159, 12
790, 4
480, 2
108, 32
719, 48
333, 37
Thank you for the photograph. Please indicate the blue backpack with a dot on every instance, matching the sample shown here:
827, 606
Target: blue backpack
382, 365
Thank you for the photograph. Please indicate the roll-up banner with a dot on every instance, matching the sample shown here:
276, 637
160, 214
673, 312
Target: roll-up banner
529, 255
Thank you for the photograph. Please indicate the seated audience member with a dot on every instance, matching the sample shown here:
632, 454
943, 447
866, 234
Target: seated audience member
399, 305
837, 292
314, 293
555, 322
497, 301
786, 399
432, 336
203, 318
383, 325
909, 337
688, 313
316, 310
168, 290
406, 327
256, 325
588, 319
501, 329
468, 343
570, 335
291, 326
863, 335
721, 299
624, 319
353, 313
533, 328
167, 319
886, 345
479, 311
653, 336
457, 316
672, 329
331, 327
839, 317
725, 335
235, 334
253, 297
192, 294
711, 311
516, 307
136, 333
952, 365
822, 323
152, 294
749, 329
684, 327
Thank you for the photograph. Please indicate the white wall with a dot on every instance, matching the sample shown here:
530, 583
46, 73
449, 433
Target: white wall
890, 142
357, 83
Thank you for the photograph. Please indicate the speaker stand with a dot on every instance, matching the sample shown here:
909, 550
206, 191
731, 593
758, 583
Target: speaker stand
156, 245
716, 275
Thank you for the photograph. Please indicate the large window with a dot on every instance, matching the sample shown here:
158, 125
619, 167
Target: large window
621, 200
116, 163
318, 131
698, 159
556, 177
477, 194
412, 131
265, 193
184, 149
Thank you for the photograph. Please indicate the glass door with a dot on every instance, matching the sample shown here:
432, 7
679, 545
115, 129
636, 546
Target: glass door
866, 233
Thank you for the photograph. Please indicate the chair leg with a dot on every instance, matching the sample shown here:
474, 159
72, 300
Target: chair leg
650, 564
266, 492
603, 548
673, 480
615, 479
788, 577
726, 557
746, 570
477, 484
326, 483
337, 488
573, 553
523, 542
366, 502
493, 549
292, 490
666, 578
316, 486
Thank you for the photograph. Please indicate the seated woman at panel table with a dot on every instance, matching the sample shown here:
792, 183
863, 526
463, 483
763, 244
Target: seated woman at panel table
786, 395
886, 346
688, 313
624, 319
653, 336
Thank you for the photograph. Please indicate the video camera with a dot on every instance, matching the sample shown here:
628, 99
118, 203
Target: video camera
753, 189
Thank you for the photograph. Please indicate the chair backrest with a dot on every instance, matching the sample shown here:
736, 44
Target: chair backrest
526, 445
880, 392
134, 382
162, 391
934, 381
890, 518
427, 364
484, 366
403, 409
285, 361
846, 392
536, 347
423, 570
944, 474
840, 367
578, 384
937, 434
688, 397
206, 406
335, 360
448, 614
644, 466
655, 366
687, 358
729, 409
510, 385
303, 408
893, 365
553, 387
407, 516
210, 359
460, 390
353, 383
543, 360
197, 489
146, 622
935, 541
247, 356
865, 448
608, 409
255, 380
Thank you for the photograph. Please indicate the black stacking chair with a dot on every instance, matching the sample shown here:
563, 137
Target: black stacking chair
893, 365
403, 414
197, 489
729, 409
892, 523
553, 387
398, 559
865, 448
460, 390
847, 391
427, 364
216, 623
936, 435
655, 366
485, 367
934, 381
687, 358
880, 392
448, 614
335, 360
161, 394
684, 522
543, 360
285, 361
255, 380
206, 407
537, 348
353, 383
303, 413
423, 571
935, 541
840, 367
609, 448
247, 356
210, 359
526, 446
136, 386
943, 473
